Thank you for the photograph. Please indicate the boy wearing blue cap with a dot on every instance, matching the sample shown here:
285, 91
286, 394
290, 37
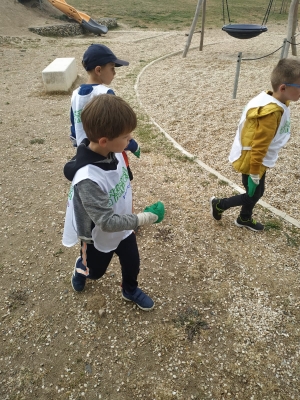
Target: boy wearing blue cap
99, 62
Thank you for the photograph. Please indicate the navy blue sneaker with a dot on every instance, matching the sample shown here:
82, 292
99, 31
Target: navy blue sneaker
140, 298
79, 275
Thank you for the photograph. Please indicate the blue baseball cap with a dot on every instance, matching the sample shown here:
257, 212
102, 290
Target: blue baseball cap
98, 54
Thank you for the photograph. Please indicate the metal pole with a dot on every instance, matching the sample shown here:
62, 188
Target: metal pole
237, 74
189, 39
203, 23
282, 50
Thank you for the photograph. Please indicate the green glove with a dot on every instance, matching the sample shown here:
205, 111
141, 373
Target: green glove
138, 152
157, 209
253, 182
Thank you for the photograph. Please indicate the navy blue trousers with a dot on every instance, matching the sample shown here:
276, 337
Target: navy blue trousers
128, 253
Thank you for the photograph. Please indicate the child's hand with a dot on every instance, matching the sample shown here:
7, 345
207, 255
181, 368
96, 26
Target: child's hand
134, 148
253, 182
137, 153
157, 209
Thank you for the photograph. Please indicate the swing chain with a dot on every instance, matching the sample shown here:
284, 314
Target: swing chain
264, 21
227, 8
266, 17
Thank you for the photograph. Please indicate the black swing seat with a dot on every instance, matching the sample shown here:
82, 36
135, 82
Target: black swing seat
244, 31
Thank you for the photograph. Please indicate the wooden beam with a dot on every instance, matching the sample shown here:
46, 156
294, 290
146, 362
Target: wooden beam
202, 26
293, 13
189, 39
295, 24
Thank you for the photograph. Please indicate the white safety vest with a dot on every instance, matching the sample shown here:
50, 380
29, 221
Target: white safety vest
117, 184
280, 139
78, 102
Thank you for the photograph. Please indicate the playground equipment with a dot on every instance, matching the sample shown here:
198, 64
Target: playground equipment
239, 31
245, 31
85, 20
291, 29
291, 35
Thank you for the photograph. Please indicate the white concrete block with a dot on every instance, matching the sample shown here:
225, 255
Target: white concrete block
60, 74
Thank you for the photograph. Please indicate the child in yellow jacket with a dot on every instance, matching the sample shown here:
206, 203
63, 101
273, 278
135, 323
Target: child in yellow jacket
263, 130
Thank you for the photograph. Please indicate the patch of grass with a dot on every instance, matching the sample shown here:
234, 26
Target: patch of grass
146, 150
58, 253
155, 141
191, 319
145, 132
292, 241
185, 158
130, 75
18, 294
163, 234
204, 183
37, 141
223, 183
140, 26
273, 224
177, 14
212, 176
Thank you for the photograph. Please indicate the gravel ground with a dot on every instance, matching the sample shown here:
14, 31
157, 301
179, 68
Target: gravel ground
226, 320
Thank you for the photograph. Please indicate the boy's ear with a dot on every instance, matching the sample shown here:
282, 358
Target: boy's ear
282, 88
103, 141
98, 69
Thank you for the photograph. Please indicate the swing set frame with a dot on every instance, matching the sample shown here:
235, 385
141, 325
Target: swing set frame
291, 28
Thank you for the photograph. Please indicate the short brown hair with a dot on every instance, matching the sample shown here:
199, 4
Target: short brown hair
107, 116
286, 71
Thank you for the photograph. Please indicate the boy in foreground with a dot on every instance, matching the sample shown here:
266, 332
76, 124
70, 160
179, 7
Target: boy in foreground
100, 200
263, 130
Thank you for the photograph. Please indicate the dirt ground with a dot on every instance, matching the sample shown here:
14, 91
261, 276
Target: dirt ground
225, 325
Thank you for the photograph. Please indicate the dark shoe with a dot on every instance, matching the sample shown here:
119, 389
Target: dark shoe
216, 212
79, 275
250, 224
140, 298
